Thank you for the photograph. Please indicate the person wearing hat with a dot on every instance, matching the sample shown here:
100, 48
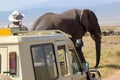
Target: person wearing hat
16, 19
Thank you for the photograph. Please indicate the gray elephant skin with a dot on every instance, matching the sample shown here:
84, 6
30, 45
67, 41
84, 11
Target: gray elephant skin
76, 23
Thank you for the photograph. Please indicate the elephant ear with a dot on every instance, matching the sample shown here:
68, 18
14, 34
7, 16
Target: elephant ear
88, 18
84, 18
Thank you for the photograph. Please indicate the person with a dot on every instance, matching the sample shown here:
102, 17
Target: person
16, 18
93, 77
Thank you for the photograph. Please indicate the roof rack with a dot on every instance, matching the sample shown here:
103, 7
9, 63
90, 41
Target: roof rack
42, 32
8, 32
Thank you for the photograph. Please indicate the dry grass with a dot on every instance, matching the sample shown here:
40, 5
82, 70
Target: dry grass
110, 54
118, 53
114, 28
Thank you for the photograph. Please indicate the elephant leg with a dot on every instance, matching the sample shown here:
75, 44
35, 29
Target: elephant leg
79, 45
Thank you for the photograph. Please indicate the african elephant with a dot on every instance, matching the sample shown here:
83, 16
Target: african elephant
74, 22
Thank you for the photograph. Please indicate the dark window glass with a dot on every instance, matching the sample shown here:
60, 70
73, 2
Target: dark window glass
62, 59
44, 62
73, 62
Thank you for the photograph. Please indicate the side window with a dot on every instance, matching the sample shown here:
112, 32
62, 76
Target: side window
73, 62
44, 62
62, 59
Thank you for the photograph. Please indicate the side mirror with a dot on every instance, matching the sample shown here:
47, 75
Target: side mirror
85, 66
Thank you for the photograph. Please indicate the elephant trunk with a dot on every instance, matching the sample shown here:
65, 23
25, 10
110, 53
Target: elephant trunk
96, 36
98, 50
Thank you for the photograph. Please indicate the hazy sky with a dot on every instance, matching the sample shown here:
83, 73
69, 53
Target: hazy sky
6, 5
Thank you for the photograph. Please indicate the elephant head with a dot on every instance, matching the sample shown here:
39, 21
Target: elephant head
75, 22
90, 22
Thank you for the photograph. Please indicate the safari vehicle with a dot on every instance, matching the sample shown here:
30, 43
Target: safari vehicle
40, 55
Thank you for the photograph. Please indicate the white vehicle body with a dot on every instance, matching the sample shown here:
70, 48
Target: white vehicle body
41, 55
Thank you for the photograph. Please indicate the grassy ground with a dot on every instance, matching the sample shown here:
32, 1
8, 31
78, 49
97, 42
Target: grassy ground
110, 54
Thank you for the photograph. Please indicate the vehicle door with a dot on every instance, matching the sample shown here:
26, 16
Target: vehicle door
3, 60
63, 64
76, 67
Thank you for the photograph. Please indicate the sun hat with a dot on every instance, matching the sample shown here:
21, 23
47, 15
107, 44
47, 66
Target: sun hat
16, 16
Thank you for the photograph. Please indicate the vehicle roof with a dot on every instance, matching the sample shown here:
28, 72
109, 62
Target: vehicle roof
29, 36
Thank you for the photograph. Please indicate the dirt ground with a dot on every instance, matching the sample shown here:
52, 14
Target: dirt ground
116, 76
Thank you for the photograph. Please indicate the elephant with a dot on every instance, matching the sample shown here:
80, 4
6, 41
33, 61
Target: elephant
75, 22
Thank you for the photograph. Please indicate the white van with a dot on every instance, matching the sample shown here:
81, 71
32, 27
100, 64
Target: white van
39, 55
